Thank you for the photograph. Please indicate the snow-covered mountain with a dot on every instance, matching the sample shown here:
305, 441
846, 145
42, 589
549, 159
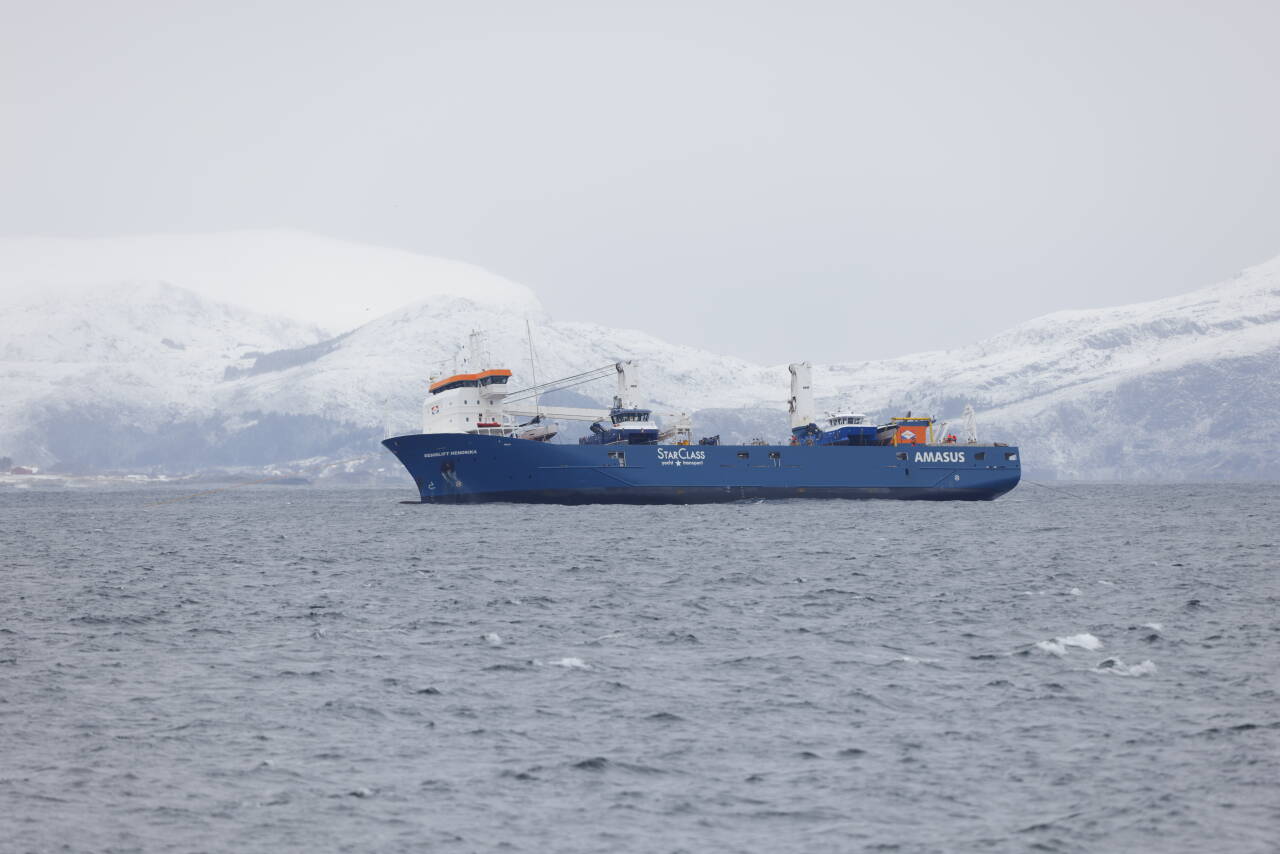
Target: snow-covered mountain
86, 373
1181, 388
154, 376
379, 373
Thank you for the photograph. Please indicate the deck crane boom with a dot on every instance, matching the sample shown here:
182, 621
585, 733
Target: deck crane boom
524, 403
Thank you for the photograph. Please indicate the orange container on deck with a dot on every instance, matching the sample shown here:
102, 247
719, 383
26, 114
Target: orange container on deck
911, 431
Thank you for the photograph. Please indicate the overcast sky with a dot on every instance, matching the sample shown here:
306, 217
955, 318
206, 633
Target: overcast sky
830, 181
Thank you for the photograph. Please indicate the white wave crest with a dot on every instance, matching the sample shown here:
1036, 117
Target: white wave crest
1059, 646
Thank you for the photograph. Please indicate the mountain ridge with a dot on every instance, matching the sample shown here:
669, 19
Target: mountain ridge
158, 362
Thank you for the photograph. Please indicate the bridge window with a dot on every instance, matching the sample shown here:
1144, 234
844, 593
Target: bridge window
629, 415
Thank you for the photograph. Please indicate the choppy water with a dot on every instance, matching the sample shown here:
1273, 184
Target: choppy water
274, 668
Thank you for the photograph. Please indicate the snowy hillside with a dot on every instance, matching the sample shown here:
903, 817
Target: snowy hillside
379, 373
136, 355
162, 378
1182, 387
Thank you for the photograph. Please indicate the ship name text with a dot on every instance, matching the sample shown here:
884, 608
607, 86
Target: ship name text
939, 456
681, 457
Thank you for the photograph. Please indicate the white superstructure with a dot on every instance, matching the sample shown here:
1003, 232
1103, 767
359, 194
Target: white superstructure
469, 402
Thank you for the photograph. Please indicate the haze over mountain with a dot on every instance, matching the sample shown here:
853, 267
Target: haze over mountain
334, 284
109, 364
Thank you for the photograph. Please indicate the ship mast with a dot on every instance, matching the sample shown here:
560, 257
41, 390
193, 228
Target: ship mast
533, 369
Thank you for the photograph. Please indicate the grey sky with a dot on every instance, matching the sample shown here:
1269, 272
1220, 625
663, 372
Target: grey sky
830, 181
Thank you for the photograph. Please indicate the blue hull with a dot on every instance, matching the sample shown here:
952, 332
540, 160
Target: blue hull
461, 468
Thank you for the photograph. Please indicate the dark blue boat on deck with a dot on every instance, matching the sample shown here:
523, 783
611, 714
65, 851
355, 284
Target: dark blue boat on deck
626, 427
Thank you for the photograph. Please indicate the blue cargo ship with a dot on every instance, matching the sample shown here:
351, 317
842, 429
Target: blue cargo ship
473, 449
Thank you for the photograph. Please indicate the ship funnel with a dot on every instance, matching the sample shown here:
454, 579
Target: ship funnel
801, 403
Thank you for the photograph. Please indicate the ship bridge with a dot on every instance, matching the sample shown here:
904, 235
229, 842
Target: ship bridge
497, 376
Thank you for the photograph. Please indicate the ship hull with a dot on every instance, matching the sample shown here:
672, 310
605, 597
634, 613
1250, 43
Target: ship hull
453, 468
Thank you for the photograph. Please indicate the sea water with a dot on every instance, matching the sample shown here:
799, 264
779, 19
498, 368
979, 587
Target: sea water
267, 668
